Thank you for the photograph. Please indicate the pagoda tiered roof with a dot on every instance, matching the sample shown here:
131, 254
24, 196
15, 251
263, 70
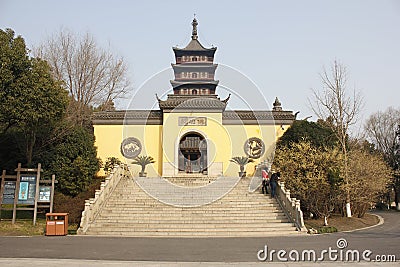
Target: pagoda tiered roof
195, 66
204, 103
175, 84
195, 45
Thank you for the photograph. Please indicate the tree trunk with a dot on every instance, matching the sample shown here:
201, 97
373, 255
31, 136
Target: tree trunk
30, 143
396, 198
348, 207
325, 221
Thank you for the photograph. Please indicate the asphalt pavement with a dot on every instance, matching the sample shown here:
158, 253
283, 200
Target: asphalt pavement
372, 247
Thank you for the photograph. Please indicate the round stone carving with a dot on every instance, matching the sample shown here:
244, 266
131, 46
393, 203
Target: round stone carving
254, 147
131, 147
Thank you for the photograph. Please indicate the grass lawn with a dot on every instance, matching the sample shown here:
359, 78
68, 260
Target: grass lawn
22, 227
24, 224
343, 223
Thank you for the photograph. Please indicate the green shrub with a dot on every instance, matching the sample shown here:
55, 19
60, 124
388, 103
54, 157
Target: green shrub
73, 161
327, 229
75, 205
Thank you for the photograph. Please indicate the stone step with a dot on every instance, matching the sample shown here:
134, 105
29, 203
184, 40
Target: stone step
194, 234
133, 192
172, 220
213, 203
199, 214
130, 211
211, 213
194, 225
192, 230
198, 210
210, 219
120, 200
191, 219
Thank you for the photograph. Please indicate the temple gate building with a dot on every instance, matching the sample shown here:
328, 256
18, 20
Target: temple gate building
192, 132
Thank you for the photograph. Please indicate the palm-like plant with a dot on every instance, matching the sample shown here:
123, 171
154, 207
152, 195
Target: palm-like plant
242, 162
143, 161
110, 163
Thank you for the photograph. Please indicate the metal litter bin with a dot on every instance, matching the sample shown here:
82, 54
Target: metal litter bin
56, 223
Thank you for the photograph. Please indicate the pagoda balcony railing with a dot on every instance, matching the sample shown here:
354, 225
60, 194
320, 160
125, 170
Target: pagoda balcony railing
197, 79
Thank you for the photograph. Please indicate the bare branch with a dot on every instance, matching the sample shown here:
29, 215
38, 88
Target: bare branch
92, 76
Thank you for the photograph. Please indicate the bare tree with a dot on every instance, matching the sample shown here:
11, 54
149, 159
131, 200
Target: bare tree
92, 75
382, 130
335, 105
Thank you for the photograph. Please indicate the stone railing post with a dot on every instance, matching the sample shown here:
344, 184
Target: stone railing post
291, 206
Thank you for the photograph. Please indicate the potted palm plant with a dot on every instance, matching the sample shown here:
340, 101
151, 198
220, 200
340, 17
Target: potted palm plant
143, 161
242, 162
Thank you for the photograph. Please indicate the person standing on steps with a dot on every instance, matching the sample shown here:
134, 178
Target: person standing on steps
265, 180
274, 182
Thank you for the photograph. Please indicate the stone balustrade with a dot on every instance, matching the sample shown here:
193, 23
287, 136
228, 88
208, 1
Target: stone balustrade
291, 206
94, 205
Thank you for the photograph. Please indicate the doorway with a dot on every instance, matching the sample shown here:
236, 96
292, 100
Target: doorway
192, 154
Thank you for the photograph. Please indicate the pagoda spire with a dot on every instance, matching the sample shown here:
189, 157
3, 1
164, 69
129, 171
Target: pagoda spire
194, 30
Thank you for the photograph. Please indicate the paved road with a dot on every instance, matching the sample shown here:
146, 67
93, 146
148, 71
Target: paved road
381, 240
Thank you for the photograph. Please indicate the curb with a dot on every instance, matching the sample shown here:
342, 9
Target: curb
381, 221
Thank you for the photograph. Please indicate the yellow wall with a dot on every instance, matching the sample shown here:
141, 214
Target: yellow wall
214, 132
161, 142
109, 138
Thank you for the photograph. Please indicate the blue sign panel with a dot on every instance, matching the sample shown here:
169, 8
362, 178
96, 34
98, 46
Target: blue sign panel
27, 190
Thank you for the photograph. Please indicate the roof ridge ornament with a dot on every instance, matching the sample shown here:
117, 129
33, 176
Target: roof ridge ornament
277, 105
194, 30
226, 99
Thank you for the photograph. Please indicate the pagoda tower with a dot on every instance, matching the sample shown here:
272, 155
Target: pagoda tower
194, 85
194, 69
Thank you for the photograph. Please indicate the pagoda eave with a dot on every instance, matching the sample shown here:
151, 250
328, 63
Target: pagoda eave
192, 103
194, 67
194, 82
185, 52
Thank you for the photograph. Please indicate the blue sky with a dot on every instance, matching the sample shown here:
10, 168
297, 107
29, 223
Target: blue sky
280, 45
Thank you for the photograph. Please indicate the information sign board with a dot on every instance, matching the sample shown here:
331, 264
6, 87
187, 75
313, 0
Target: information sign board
44, 193
27, 190
9, 192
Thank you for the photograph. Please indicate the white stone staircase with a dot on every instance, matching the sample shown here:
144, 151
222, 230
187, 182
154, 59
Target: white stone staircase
131, 211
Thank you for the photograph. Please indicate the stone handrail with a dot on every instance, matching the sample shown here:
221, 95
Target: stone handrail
94, 205
291, 206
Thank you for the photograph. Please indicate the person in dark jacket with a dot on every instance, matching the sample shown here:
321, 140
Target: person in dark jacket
274, 182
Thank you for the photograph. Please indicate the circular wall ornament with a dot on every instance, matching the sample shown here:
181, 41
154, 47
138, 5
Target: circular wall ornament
254, 147
131, 147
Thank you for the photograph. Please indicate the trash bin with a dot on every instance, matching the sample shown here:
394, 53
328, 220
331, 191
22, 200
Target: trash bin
56, 223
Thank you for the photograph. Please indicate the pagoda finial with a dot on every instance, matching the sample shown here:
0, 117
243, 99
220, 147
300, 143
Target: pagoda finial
194, 31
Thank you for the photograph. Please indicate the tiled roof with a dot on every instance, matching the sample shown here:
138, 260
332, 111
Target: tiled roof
195, 45
175, 83
128, 117
257, 117
202, 103
194, 66
231, 117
